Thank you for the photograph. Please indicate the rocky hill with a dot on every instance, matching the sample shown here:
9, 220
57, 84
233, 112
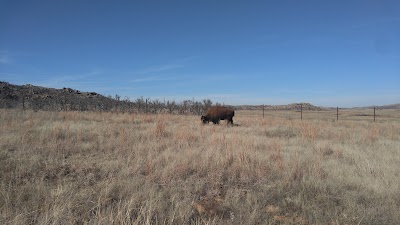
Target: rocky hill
66, 99
36, 97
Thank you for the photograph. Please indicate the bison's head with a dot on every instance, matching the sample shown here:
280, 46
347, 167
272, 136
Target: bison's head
205, 119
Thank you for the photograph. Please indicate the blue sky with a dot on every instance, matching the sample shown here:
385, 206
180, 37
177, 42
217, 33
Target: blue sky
328, 53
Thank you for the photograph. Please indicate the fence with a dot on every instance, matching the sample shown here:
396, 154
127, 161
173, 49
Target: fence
146, 105
333, 114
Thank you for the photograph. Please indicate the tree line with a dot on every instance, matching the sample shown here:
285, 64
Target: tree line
112, 104
148, 105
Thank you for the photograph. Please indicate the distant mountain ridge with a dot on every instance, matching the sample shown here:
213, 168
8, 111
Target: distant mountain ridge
391, 106
293, 106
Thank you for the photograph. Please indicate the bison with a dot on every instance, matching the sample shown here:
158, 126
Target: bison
217, 113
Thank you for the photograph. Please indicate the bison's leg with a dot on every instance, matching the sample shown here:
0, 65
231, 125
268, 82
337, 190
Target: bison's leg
215, 121
229, 120
205, 119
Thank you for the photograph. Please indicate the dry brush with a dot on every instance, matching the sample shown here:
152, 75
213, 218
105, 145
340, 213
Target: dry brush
103, 168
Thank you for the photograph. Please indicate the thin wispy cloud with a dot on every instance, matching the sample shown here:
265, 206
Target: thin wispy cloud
160, 72
179, 82
159, 68
8, 75
86, 79
152, 79
5, 57
172, 65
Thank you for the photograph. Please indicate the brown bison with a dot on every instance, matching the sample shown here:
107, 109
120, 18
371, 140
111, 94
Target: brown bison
217, 113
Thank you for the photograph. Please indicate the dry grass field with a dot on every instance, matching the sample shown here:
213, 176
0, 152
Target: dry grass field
108, 168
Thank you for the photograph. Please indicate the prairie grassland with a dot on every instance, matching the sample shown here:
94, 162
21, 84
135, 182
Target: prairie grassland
105, 168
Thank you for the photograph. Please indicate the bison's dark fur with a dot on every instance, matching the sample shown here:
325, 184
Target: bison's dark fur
217, 113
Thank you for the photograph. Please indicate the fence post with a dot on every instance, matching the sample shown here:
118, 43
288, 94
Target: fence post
337, 113
374, 114
301, 111
23, 102
263, 110
146, 107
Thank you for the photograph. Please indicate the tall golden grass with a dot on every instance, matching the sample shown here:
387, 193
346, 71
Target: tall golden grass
105, 168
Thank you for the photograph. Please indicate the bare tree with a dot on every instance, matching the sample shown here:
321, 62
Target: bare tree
171, 106
207, 103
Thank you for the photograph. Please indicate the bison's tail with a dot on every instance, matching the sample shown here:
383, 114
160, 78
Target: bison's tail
233, 113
